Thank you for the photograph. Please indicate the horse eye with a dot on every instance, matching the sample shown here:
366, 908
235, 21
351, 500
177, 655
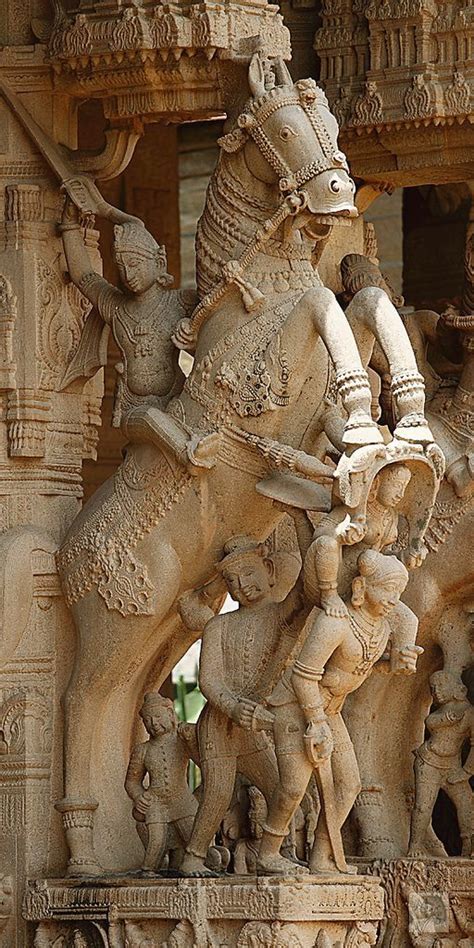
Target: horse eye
287, 132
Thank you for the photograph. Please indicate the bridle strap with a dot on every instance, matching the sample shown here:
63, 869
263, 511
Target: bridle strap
290, 183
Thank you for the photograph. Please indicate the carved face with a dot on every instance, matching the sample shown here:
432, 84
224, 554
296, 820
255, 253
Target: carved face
392, 484
381, 596
138, 273
159, 721
249, 581
295, 141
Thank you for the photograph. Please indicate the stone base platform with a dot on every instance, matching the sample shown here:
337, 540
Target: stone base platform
129, 912
429, 903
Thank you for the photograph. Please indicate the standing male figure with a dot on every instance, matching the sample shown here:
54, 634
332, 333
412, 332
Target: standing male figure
243, 655
338, 654
438, 765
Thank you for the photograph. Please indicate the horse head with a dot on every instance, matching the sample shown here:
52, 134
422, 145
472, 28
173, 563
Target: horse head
288, 138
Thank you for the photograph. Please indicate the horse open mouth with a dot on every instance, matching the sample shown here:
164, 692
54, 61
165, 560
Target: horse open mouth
319, 225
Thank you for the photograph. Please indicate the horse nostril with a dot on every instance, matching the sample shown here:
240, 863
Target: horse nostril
335, 185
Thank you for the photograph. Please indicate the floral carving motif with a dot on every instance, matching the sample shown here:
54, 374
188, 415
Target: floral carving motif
367, 107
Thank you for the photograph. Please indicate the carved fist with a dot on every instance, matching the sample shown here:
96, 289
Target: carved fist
403, 662
351, 531
459, 776
412, 558
262, 720
313, 468
70, 212
318, 742
143, 803
202, 452
242, 714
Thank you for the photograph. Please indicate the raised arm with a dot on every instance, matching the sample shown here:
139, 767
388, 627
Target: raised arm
196, 606
80, 268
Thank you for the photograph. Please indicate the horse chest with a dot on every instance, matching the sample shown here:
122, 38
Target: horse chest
249, 368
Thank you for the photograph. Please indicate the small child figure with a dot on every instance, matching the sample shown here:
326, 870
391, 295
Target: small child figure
165, 809
438, 766
329, 566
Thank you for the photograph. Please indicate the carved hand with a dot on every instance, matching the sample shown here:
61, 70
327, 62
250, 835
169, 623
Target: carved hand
351, 531
412, 558
143, 803
242, 714
459, 776
202, 451
407, 659
70, 213
318, 742
262, 720
313, 468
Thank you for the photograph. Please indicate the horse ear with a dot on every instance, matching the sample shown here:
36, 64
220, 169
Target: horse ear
233, 141
256, 76
282, 73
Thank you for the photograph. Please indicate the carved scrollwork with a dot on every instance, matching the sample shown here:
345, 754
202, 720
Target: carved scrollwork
62, 316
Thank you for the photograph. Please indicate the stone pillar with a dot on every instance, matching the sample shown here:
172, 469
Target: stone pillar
45, 433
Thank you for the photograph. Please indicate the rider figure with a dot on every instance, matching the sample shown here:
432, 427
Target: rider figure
143, 316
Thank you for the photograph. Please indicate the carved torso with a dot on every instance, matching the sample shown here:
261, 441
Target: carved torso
257, 644
165, 759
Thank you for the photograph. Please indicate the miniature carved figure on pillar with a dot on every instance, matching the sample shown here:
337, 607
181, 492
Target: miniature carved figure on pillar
438, 765
165, 808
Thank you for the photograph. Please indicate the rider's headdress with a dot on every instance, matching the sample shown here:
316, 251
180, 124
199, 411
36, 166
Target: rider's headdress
134, 238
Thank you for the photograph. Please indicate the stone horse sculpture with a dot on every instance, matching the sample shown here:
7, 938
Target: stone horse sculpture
269, 341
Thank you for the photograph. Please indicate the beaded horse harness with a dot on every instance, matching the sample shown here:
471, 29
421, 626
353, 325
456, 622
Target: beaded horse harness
306, 94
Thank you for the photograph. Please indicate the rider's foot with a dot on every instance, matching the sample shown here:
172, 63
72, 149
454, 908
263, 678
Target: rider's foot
279, 866
333, 605
194, 866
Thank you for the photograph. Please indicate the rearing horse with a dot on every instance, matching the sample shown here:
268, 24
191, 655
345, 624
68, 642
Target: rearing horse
269, 343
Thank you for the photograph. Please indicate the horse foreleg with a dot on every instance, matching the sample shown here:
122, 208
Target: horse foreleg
320, 311
373, 317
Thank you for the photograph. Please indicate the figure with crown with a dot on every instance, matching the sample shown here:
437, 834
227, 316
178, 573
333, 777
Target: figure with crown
143, 315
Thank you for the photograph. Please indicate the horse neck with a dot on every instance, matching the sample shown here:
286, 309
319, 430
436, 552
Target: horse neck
237, 204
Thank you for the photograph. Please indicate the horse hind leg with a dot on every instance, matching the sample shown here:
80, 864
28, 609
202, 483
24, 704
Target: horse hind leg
111, 649
372, 314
